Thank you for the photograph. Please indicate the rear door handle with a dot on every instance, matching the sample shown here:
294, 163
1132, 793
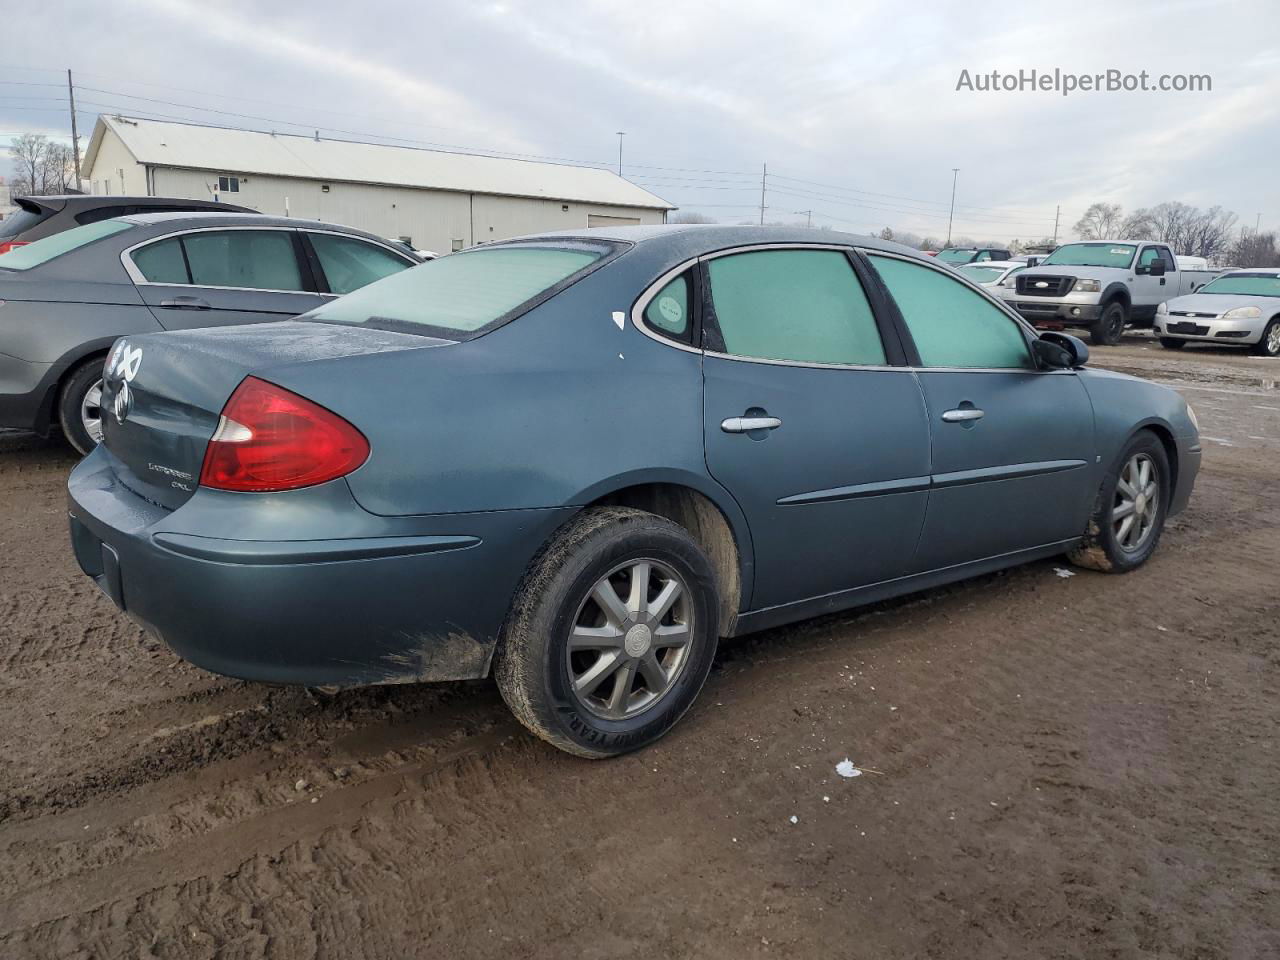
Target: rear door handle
962, 415
747, 424
185, 303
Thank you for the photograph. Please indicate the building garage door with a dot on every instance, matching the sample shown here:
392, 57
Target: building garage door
599, 220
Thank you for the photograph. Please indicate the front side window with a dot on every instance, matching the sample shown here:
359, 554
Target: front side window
350, 264
803, 305
952, 325
465, 292
251, 259
668, 312
41, 251
1148, 256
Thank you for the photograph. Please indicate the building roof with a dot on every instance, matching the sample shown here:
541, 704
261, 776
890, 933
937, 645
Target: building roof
230, 151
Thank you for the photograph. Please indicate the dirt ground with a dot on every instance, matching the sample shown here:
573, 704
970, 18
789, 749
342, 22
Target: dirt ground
1084, 766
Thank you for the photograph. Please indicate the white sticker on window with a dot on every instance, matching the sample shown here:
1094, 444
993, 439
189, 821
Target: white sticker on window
671, 310
1120, 251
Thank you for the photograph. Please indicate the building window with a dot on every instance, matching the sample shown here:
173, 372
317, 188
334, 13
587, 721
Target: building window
228, 184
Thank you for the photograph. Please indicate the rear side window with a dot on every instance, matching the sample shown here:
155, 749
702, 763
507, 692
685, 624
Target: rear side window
668, 312
350, 264
803, 305
251, 259
465, 292
952, 326
162, 262
44, 250
102, 213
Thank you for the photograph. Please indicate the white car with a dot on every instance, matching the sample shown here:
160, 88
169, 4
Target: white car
990, 273
1241, 307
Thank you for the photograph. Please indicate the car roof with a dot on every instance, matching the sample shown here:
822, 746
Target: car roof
196, 218
77, 201
718, 236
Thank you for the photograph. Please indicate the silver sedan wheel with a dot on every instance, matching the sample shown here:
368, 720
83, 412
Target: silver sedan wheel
1137, 503
1273, 340
91, 412
630, 639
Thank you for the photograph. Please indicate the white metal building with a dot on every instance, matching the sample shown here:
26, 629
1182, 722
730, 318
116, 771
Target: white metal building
437, 200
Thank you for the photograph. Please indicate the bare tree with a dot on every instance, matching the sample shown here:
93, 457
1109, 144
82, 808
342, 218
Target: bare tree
885, 234
28, 152
691, 217
1188, 230
1255, 250
1209, 233
58, 171
1102, 221
930, 243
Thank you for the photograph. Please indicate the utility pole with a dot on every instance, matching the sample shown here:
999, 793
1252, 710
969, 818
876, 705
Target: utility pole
1256, 224
1057, 213
621, 134
955, 173
75, 137
764, 172
808, 215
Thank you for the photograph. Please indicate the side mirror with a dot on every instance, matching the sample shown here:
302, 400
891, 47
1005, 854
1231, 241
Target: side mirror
1059, 351
1157, 268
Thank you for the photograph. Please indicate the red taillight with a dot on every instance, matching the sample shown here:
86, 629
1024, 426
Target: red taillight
271, 439
8, 245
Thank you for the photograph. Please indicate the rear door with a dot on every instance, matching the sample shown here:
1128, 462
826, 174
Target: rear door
219, 276
809, 422
1012, 444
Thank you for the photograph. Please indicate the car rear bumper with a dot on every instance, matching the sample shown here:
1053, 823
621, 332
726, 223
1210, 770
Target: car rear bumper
24, 393
376, 605
1205, 328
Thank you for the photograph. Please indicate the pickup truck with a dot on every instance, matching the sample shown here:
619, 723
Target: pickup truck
1103, 285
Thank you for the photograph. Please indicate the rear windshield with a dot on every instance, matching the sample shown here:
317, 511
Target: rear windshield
1245, 284
42, 251
1091, 255
957, 255
466, 292
22, 220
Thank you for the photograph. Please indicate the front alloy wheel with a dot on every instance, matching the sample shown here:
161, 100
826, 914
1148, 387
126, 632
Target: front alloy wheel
1137, 503
1129, 513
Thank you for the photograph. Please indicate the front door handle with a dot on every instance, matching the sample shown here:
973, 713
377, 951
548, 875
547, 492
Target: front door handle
747, 424
185, 303
962, 415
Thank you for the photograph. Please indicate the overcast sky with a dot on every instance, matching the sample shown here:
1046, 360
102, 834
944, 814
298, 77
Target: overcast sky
858, 99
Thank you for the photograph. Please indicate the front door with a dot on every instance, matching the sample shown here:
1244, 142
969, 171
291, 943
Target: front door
824, 445
206, 278
1013, 446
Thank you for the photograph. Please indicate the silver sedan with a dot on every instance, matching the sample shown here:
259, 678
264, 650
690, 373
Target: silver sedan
1241, 307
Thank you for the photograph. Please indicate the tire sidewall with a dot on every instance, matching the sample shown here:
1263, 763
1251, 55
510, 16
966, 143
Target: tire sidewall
70, 399
609, 548
1113, 315
1263, 350
1123, 560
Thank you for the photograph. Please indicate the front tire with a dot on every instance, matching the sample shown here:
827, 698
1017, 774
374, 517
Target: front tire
611, 634
80, 406
1109, 328
1130, 511
1171, 343
1269, 344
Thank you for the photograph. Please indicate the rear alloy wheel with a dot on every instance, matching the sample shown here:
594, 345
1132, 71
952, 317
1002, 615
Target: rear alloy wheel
80, 406
1269, 344
1172, 343
611, 634
1109, 328
1130, 510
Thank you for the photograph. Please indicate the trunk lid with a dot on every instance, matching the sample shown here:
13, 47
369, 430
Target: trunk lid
163, 393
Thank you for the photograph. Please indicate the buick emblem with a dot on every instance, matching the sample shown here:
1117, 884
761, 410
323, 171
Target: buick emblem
124, 367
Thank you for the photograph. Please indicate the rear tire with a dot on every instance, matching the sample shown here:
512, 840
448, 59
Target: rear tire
1109, 328
1269, 345
597, 679
1170, 343
1109, 543
79, 413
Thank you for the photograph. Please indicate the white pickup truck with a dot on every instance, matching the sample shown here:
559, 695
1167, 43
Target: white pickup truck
1104, 285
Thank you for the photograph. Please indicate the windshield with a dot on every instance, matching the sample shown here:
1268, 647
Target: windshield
980, 274
1091, 255
1248, 284
957, 255
464, 292
44, 250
